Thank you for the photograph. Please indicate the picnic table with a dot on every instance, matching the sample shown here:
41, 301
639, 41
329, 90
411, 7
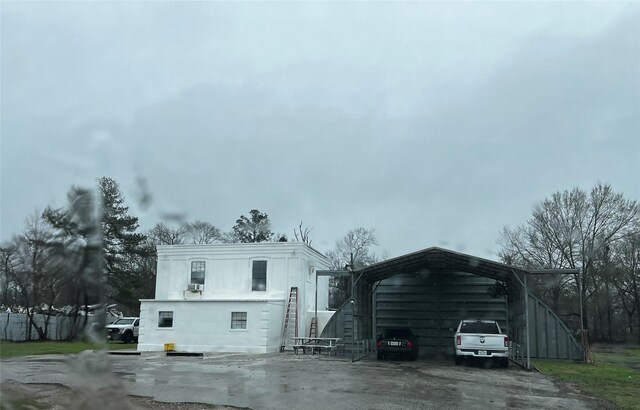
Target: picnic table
315, 344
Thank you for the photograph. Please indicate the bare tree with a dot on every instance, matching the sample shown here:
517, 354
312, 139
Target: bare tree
355, 248
627, 279
32, 270
353, 251
162, 234
302, 234
7, 255
80, 250
572, 229
202, 232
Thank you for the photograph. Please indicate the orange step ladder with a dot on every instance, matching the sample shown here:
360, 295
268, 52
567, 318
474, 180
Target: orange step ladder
291, 315
313, 330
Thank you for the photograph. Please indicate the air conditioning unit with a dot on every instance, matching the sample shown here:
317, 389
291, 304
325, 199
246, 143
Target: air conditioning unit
194, 287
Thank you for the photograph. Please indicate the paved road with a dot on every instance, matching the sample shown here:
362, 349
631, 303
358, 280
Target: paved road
276, 381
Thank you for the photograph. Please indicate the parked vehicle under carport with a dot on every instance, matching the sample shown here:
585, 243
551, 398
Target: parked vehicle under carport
397, 341
481, 339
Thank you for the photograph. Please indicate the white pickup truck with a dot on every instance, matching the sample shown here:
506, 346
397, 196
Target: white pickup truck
125, 329
483, 339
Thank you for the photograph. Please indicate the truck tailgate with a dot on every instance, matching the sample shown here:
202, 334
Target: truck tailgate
481, 341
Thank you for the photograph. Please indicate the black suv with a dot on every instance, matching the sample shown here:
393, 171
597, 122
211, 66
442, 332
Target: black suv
397, 340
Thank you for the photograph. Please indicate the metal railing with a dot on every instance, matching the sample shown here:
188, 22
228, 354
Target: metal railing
518, 353
361, 349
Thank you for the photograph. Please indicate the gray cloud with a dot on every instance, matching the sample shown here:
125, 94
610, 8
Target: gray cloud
433, 124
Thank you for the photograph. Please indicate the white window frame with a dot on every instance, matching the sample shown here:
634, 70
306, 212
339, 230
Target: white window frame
266, 273
190, 267
239, 329
173, 319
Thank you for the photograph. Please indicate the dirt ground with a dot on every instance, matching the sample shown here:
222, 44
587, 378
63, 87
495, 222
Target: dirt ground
57, 397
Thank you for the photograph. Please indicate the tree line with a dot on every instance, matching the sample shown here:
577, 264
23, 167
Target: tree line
92, 250
596, 232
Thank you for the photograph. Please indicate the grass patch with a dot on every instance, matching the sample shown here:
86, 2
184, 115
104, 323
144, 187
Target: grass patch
607, 380
12, 349
619, 356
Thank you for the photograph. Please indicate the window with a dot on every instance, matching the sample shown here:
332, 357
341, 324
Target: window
259, 278
165, 319
197, 272
479, 327
123, 322
137, 322
238, 320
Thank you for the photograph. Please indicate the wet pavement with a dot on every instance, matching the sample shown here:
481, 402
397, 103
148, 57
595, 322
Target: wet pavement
276, 381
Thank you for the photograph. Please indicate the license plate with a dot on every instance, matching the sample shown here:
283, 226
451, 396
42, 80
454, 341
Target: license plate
482, 352
394, 343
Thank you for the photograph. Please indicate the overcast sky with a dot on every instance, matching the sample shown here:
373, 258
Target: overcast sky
436, 124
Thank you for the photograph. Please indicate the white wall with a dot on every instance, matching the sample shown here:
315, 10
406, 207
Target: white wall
229, 269
205, 326
202, 319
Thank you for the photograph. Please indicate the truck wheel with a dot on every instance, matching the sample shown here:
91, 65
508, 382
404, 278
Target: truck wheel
505, 363
458, 360
127, 337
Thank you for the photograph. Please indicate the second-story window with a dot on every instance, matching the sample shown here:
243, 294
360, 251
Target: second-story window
197, 272
259, 276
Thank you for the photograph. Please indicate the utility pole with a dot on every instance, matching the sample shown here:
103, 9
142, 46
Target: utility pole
582, 335
353, 310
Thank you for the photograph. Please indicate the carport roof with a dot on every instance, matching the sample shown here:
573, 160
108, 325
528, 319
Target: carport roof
438, 260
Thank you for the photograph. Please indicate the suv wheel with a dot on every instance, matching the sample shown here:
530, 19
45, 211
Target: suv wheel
127, 337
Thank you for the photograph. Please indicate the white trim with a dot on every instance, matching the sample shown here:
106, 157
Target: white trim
213, 350
268, 247
232, 299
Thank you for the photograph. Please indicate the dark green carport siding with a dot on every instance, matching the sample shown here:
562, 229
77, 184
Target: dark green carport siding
549, 336
433, 304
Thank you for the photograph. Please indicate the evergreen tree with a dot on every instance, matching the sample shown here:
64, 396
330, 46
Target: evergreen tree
79, 253
123, 249
254, 229
126, 275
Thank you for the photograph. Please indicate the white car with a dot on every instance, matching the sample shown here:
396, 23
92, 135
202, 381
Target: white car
125, 329
483, 339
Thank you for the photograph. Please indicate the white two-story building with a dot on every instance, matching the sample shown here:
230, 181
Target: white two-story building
232, 297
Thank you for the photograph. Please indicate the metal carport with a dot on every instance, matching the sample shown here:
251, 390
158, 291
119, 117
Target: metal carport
432, 289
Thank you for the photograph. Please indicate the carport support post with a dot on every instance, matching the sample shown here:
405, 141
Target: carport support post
353, 316
526, 312
582, 335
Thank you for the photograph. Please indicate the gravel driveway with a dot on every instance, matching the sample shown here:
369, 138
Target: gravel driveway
276, 381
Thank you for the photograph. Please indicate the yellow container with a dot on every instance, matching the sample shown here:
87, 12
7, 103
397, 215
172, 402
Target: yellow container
169, 347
